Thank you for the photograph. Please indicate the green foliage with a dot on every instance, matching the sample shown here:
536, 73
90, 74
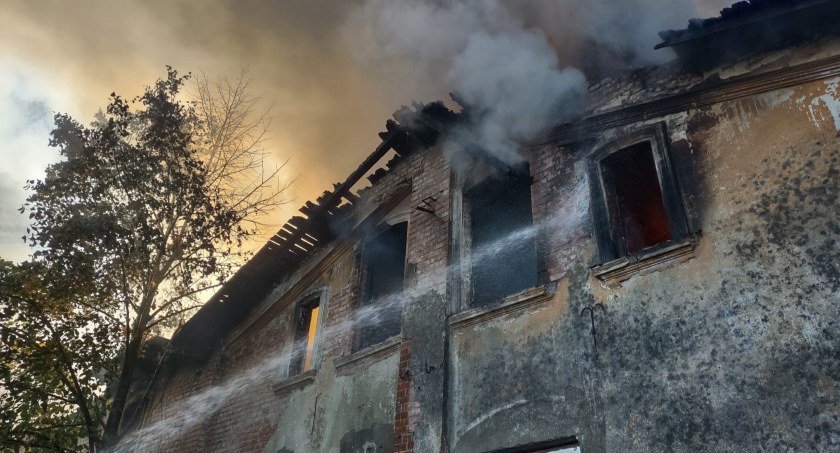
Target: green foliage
146, 211
56, 356
129, 206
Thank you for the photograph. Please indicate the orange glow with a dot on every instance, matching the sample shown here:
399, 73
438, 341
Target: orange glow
310, 339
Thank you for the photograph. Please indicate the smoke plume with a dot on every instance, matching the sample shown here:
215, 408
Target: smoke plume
334, 71
520, 63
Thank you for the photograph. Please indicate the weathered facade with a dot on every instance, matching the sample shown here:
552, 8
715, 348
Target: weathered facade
696, 312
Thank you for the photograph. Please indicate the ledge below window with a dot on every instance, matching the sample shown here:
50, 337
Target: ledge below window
645, 262
366, 357
514, 303
295, 382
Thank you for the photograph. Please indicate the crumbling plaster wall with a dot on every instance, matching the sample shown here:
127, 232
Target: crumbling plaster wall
734, 350
340, 413
336, 412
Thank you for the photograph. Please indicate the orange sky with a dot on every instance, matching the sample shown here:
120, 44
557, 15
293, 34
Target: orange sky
333, 71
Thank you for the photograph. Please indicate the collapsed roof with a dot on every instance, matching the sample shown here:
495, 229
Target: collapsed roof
301, 236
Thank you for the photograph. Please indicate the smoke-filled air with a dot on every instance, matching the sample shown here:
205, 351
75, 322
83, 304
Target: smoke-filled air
332, 72
419, 225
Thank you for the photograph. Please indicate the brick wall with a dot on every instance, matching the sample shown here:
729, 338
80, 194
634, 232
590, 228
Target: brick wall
403, 436
244, 413
560, 203
245, 422
223, 405
165, 427
428, 233
338, 340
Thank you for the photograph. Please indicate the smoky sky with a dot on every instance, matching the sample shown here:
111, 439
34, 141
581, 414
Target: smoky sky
332, 71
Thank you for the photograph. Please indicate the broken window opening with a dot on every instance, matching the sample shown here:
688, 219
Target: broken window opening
306, 335
636, 203
503, 258
380, 308
638, 219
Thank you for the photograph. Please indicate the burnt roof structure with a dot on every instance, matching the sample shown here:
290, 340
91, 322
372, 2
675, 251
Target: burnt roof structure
301, 236
750, 27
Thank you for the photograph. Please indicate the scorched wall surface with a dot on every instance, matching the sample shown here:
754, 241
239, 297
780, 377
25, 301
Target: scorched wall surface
730, 346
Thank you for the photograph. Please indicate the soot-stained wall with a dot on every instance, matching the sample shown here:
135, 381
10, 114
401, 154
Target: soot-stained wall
353, 413
729, 345
734, 349
243, 399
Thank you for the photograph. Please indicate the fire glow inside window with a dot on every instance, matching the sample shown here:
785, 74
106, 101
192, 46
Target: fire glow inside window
634, 199
636, 203
306, 335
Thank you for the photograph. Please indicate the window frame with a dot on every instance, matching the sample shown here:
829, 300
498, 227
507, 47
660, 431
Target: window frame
608, 246
567, 443
461, 248
364, 295
522, 172
297, 357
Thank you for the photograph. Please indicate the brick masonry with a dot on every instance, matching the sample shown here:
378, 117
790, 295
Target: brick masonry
711, 353
403, 422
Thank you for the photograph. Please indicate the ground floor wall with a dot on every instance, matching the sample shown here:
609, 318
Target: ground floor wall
341, 413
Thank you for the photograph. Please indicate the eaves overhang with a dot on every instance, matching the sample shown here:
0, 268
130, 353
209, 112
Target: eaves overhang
750, 27
321, 223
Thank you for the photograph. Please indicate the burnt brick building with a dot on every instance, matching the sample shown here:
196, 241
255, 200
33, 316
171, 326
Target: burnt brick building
660, 275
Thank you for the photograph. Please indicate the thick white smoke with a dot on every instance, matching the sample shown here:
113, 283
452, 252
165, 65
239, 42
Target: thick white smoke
515, 79
519, 63
506, 71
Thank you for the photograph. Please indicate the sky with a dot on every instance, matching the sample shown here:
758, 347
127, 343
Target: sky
332, 72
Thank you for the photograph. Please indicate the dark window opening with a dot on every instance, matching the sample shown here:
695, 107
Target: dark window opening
637, 214
503, 257
306, 331
380, 311
636, 201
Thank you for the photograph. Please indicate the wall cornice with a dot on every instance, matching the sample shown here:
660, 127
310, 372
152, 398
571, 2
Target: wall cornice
703, 95
515, 303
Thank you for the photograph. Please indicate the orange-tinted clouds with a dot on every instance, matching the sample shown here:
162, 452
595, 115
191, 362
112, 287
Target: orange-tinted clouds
328, 67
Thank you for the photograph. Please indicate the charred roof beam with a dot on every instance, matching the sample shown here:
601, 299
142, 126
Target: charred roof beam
464, 142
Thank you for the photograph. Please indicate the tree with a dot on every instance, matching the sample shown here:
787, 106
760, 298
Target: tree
56, 358
151, 204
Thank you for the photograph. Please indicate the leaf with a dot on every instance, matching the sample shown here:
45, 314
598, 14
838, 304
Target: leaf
137, 189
